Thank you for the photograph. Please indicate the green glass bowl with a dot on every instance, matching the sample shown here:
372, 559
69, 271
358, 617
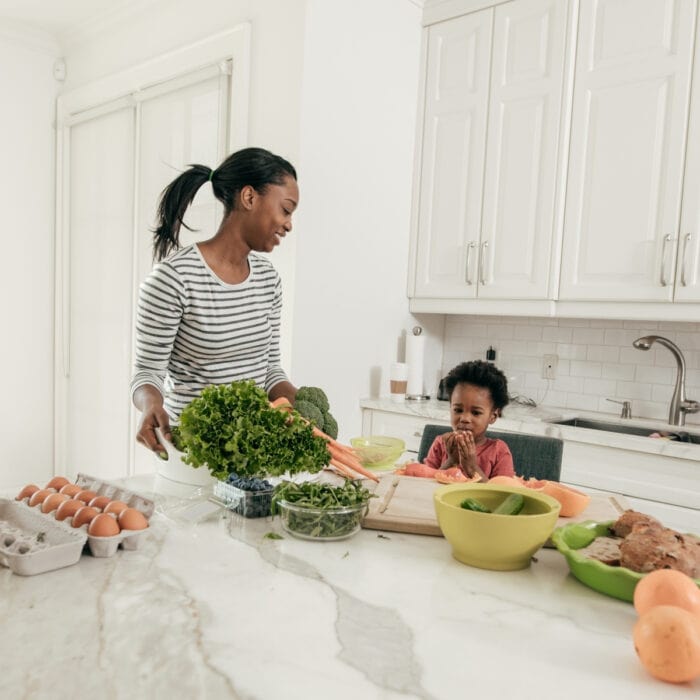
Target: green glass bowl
375, 451
615, 581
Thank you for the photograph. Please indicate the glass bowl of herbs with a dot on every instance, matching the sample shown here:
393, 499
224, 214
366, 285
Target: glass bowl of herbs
320, 511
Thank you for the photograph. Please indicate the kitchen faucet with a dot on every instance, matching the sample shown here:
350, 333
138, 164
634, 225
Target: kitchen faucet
679, 404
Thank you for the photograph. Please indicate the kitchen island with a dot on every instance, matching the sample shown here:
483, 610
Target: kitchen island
216, 609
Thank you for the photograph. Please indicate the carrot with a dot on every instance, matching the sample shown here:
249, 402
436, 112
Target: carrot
340, 454
342, 469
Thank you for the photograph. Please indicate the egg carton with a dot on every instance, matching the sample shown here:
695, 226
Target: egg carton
104, 546
32, 543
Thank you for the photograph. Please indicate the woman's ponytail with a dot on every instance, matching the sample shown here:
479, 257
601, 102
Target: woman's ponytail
174, 200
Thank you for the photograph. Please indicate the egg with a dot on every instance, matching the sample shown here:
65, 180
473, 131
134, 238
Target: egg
58, 482
99, 502
50, 503
27, 492
103, 525
85, 496
132, 519
68, 508
84, 515
70, 490
115, 507
37, 498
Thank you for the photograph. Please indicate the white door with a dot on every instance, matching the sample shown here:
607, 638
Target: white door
627, 145
120, 160
454, 138
527, 73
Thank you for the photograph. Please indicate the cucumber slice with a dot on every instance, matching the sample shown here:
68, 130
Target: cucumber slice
473, 504
512, 505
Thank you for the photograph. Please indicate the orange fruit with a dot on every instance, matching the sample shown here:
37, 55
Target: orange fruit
667, 587
573, 502
667, 641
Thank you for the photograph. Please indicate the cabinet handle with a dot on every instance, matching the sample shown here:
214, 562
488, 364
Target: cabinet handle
468, 279
417, 434
482, 265
667, 238
686, 241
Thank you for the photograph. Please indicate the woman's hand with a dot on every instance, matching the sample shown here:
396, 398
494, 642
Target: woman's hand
150, 402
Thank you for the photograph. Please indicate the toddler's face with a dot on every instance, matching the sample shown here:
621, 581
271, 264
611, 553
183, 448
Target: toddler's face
471, 408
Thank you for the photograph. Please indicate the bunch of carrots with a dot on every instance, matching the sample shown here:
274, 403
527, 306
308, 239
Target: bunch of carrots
343, 458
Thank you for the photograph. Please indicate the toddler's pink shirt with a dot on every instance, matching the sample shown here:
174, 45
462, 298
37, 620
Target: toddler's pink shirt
493, 456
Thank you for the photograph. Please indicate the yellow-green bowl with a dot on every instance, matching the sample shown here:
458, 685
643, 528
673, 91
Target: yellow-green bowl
488, 540
377, 450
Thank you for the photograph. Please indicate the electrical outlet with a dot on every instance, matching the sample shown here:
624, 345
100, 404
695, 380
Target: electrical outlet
549, 366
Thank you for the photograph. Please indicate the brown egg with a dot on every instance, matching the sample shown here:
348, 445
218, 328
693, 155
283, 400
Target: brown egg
99, 502
115, 507
38, 497
58, 482
85, 496
132, 519
27, 492
84, 515
52, 502
70, 490
103, 525
68, 509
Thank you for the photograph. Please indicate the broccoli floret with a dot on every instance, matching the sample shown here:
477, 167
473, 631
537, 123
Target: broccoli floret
330, 425
310, 412
313, 395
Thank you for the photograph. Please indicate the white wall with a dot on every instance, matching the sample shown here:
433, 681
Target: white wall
358, 117
27, 144
596, 360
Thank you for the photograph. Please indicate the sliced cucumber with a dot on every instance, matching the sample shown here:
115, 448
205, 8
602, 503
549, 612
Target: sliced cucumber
473, 504
512, 505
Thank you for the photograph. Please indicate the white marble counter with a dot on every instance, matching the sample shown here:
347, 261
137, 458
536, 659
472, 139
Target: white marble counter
216, 610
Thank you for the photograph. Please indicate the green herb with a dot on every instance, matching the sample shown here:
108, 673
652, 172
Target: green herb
272, 536
320, 507
233, 428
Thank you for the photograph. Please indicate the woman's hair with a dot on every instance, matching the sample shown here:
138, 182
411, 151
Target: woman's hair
482, 374
251, 166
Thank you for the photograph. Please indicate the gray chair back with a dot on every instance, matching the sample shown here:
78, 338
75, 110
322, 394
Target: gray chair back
534, 456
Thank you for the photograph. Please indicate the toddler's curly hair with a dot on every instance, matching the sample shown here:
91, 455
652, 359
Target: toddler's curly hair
482, 374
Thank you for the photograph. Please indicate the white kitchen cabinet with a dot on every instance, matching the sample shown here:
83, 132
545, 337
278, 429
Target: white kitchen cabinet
406, 427
630, 108
490, 152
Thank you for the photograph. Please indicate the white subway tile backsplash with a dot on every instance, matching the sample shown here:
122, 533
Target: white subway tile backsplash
596, 360
613, 370
600, 387
585, 369
602, 353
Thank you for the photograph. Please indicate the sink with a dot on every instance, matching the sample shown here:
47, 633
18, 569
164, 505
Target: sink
642, 431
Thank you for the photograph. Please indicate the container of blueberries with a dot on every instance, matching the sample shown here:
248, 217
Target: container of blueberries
248, 496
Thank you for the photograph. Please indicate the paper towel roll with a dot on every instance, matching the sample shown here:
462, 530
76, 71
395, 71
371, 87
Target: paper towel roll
415, 352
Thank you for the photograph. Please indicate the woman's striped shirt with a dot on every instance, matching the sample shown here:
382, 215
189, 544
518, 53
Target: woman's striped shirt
193, 330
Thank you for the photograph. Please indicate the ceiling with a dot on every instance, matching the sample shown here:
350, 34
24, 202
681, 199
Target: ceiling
60, 17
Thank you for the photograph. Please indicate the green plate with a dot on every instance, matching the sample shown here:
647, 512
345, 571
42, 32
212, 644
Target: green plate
615, 581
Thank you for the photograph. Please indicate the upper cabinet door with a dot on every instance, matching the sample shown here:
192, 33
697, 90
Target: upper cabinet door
521, 177
453, 144
627, 145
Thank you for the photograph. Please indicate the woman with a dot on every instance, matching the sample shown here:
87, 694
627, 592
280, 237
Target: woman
209, 313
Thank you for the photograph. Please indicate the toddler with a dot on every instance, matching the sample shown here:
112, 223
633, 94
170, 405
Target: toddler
478, 392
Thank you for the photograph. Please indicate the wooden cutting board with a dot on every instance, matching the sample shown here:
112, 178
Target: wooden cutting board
405, 504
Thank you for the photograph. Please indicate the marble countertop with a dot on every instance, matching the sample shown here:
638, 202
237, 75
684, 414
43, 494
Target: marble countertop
538, 420
215, 609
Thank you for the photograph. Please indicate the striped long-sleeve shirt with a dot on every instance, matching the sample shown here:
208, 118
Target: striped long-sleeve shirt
193, 330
